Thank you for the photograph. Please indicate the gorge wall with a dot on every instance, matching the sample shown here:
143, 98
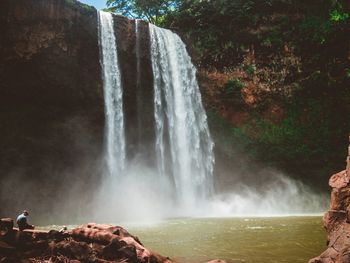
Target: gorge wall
52, 112
274, 81
52, 107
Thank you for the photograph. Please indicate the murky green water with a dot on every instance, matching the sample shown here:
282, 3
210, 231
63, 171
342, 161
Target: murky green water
253, 240
258, 240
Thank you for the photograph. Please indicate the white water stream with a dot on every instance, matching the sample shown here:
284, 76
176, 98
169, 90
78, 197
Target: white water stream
181, 122
183, 144
113, 95
180, 181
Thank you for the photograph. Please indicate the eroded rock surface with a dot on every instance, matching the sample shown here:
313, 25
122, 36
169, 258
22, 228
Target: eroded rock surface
337, 219
95, 243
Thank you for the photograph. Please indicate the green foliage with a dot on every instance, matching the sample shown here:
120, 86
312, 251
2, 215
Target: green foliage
299, 135
222, 132
249, 69
233, 87
152, 10
314, 33
221, 31
273, 39
314, 124
315, 29
217, 28
347, 72
338, 14
75, 3
305, 137
87, 7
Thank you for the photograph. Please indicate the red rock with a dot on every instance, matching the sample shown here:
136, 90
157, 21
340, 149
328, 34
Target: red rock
98, 243
337, 219
348, 161
6, 249
6, 223
339, 180
6, 226
75, 250
217, 261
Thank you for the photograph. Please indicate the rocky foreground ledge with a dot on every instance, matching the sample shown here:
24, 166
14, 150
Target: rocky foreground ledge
91, 243
337, 219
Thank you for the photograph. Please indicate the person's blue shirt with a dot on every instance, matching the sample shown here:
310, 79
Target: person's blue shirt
21, 220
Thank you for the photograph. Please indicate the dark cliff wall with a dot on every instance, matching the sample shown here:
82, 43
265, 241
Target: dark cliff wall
52, 107
138, 86
51, 103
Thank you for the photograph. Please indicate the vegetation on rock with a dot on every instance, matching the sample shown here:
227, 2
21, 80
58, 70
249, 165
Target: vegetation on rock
287, 69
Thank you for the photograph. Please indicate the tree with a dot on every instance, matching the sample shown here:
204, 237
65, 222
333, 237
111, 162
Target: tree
151, 10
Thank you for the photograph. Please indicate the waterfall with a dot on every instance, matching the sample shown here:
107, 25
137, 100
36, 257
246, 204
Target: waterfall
138, 83
179, 181
183, 146
180, 119
113, 96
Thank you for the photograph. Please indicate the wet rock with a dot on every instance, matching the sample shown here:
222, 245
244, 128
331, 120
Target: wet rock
217, 261
6, 224
6, 228
95, 243
111, 250
75, 250
337, 219
6, 249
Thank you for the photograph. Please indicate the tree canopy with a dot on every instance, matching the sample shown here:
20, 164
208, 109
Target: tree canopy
151, 10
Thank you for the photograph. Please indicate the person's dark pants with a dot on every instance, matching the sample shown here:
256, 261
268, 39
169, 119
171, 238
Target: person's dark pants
21, 228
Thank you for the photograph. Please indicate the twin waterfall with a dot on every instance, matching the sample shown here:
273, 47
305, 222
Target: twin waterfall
113, 94
178, 106
182, 143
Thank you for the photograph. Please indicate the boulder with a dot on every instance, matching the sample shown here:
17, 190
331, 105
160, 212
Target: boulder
337, 219
6, 224
95, 243
6, 227
217, 261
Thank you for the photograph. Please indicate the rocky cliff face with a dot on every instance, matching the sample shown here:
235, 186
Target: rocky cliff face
51, 103
52, 99
337, 219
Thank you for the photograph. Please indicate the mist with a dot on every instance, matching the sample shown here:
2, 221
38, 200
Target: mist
141, 196
136, 195
281, 197
75, 188
56, 177
72, 196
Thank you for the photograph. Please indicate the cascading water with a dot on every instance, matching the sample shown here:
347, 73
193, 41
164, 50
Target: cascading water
142, 188
138, 83
113, 96
184, 165
180, 119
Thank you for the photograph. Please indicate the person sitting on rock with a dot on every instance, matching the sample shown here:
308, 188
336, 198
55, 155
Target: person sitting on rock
22, 221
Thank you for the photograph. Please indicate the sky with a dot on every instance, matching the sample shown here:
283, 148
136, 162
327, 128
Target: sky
99, 4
